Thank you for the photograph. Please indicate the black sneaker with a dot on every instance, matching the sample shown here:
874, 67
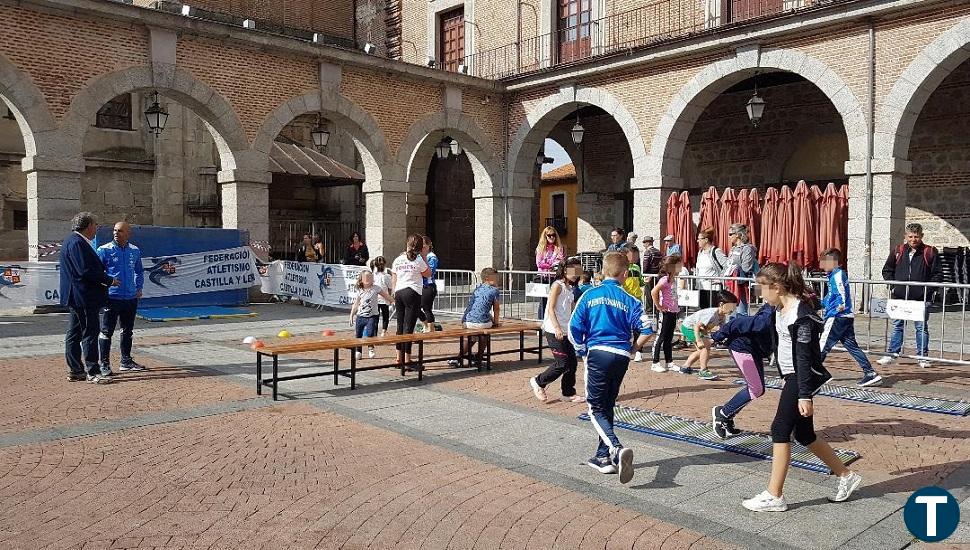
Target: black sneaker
869, 379
601, 464
131, 366
75, 377
732, 430
717, 423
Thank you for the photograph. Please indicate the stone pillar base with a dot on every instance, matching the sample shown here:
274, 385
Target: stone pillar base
53, 199
245, 205
386, 223
888, 217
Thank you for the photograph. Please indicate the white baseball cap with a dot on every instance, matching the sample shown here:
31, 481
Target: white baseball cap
669, 238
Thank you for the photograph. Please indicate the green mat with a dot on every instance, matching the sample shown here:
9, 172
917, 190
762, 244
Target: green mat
700, 433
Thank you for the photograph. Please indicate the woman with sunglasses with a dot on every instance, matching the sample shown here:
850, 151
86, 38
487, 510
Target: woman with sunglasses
550, 252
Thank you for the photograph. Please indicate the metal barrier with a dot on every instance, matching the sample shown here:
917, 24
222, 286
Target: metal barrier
458, 287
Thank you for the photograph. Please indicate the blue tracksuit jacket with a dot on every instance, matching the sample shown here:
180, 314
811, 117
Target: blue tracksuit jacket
838, 295
605, 318
125, 265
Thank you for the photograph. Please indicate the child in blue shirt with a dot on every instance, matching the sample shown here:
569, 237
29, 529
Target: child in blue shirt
601, 329
839, 319
483, 311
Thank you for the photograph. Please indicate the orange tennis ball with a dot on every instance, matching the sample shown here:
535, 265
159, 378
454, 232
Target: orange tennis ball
329, 332
258, 344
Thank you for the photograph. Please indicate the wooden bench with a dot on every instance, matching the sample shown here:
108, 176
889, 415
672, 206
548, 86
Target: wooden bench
276, 349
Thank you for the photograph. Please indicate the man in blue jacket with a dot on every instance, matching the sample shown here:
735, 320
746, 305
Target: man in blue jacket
84, 289
122, 260
601, 328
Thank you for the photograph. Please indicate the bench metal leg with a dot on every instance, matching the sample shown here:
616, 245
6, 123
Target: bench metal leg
420, 359
353, 368
522, 345
539, 334
259, 373
336, 359
276, 375
461, 351
488, 352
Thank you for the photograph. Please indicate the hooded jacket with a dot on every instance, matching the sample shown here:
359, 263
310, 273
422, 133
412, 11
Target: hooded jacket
924, 266
751, 334
806, 332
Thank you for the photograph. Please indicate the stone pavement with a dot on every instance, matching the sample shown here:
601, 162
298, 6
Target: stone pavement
185, 455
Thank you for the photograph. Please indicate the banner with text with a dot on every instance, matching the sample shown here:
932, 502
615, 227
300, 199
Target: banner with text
323, 284
38, 283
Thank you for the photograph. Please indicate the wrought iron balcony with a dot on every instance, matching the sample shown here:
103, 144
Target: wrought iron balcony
625, 32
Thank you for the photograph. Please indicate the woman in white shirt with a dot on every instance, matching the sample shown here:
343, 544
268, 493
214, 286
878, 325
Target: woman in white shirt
407, 273
711, 262
555, 324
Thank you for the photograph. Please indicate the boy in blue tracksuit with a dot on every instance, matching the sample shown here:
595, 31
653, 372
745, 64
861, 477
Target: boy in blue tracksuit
122, 260
839, 319
601, 329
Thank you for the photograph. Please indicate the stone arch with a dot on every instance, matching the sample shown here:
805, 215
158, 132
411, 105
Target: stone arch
417, 148
366, 133
21, 95
902, 106
670, 138
541, 119
176, 83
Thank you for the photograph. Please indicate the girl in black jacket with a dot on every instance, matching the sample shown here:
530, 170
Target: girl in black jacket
796, 346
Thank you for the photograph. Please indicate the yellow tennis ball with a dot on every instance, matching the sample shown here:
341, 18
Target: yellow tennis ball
284, 334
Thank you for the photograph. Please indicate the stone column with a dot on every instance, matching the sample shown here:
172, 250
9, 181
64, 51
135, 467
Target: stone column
595, 219
650, 206
417, 213
888, 213
385, 205
245, 203
53, 199
505, 232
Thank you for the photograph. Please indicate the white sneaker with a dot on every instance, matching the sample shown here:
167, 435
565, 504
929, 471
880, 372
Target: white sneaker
371, 353
847, 484
357, 354
624, 464
887, 360
637, 357
674, 367
765, 502
538, 390
924, 364
658, 367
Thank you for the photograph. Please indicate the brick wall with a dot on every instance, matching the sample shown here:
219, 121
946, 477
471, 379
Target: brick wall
938, 191
332, 17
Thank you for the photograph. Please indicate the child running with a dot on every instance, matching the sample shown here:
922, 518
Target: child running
600, 329
749, 339
798, 329
839, 319
555, 323
365, 311
382, 279
483, 311
697, 327
664, 295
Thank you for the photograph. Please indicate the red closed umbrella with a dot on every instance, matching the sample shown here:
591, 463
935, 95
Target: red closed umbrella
710, 210
784, 225
744, 214
754, 217
804, 246
829, 227
843, 211
686, 234
769, 219
673, 215
728, 216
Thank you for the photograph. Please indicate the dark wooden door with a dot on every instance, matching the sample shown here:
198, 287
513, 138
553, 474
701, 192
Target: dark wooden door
574, 29
452, 32
741, 10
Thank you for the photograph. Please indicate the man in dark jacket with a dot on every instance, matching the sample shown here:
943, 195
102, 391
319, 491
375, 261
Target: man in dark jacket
912, 261
84, 289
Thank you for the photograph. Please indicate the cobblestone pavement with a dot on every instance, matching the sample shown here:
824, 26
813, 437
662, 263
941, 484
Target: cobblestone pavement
186, 456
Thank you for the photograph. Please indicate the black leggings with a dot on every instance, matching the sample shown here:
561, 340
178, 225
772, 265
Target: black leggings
385, 313
665, 340
788, 419
427, 303
565, 364
408, 305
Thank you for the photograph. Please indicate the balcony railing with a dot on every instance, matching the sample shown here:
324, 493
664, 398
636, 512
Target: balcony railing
649, 25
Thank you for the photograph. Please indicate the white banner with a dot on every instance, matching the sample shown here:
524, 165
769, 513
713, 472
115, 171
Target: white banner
537, 290
877, 308
323, 284
38, 283
688, 298
906, 310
